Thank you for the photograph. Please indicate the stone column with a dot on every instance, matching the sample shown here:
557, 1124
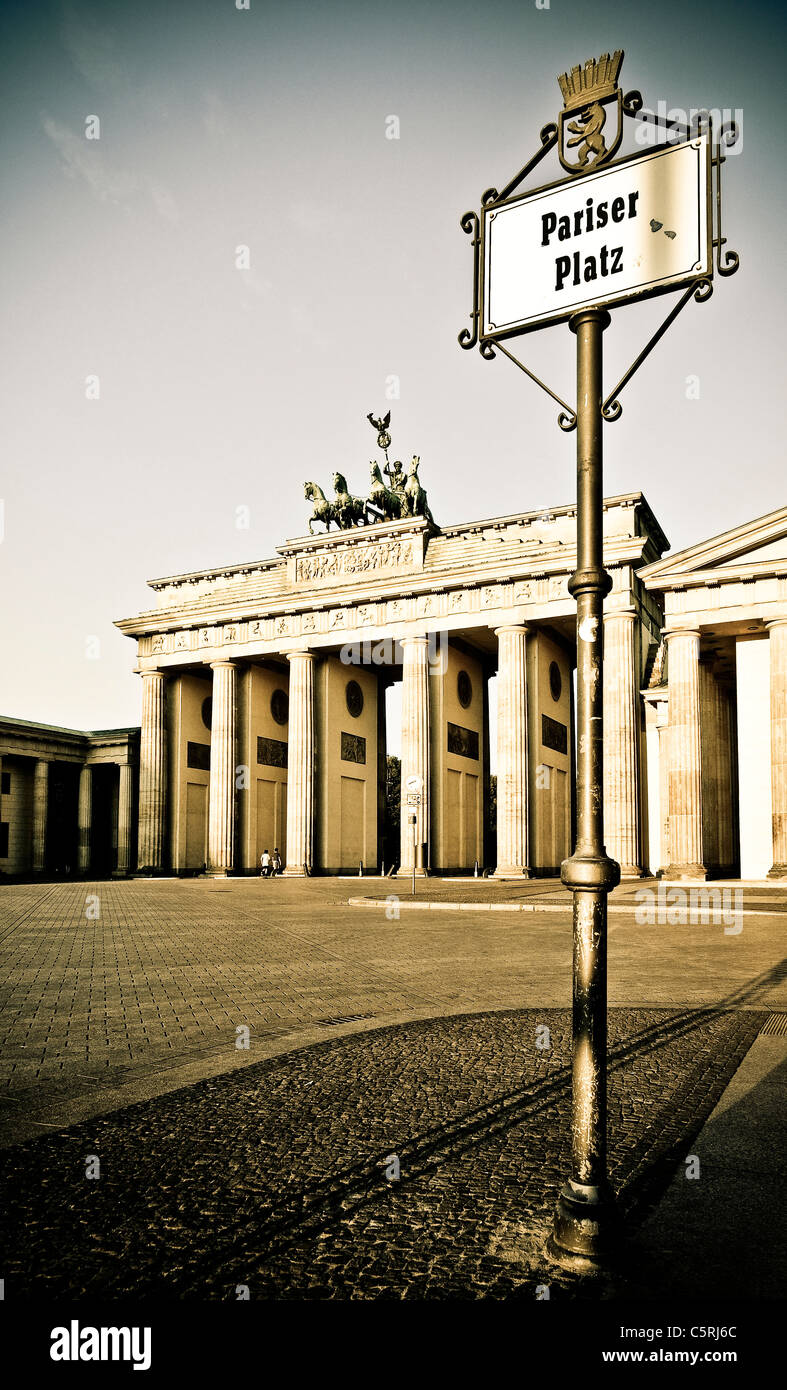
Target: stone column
40, 803
725, 779
152, 772
622, 834
300, 766
710, 733
415, 751
685, 755
125, 802
777, 632
85, 816
221, 788
512, 771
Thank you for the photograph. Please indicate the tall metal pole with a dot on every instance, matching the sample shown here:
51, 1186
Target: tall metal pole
586, 1218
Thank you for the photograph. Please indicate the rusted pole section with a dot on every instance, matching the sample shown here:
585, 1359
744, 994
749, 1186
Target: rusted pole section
586, 1219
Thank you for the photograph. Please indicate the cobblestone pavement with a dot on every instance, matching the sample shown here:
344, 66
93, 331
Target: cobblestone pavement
275, 1177
100, 1011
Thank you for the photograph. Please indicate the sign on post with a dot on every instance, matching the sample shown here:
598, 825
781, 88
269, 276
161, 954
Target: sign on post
637, 228
609, 234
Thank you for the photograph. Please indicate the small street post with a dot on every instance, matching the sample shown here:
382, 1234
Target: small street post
414, 789
664, 209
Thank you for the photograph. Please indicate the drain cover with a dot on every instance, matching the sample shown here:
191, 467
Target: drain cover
776, 1024
341, 1018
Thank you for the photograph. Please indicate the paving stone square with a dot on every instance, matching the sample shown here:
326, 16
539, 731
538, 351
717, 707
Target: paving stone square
370, 1039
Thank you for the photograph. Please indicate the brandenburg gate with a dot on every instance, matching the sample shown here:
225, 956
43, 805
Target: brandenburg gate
263, 691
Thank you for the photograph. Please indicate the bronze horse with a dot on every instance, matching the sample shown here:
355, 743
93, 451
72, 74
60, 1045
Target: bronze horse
324, 510
347, 509
415, 494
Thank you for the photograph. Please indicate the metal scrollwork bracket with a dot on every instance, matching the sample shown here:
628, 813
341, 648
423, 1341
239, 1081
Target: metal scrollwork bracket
701, 289
567, 419
728, 135
472, 223
548, 138
727, 263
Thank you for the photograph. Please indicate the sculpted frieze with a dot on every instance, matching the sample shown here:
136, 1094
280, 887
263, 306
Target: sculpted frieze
382, 556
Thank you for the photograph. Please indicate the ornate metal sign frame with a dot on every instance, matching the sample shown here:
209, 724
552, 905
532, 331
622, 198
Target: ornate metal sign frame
700, 289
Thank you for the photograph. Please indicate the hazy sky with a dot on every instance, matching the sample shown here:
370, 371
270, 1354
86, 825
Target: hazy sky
223, 388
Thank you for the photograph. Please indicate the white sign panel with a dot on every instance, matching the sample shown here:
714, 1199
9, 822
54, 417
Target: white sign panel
636, 229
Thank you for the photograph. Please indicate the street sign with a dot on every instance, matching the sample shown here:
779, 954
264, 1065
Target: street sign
414, 782
413, 798
609, 234
636, 228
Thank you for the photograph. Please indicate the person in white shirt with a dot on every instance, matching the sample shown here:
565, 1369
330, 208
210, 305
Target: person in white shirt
265, 862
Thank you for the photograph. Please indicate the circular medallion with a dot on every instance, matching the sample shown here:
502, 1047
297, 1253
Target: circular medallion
354, 698
280, 706
207, 711
555, 680
464, 689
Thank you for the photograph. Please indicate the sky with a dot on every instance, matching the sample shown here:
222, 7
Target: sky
222, 388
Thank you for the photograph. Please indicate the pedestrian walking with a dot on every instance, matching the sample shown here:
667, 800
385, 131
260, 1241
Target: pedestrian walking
265, 864
277, 866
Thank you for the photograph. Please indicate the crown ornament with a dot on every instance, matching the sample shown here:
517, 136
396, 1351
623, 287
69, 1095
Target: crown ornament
596, 81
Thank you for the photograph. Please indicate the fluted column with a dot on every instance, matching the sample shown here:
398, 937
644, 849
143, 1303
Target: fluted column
724, 778
710, 736
512, 771
685, 753
125, 793
621, 743
777, 632
221, 789
85, 816
40, 803
415, 751
300, 766
152, 772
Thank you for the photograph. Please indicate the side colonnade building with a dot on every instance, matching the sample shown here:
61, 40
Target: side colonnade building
68, 800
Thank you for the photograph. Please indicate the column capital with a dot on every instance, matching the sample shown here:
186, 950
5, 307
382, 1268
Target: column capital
526, 628
302, 654
682, 631
223, 665
419, 638
148, 675
776, 622
630, 614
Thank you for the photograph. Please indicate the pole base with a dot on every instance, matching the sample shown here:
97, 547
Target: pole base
586, 1230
